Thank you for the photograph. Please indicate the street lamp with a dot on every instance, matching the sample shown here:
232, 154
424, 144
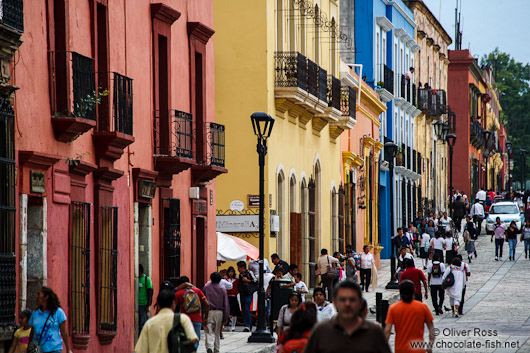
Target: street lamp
486, 134
262, 124
451, 138
390, 151
509, 147
438, 129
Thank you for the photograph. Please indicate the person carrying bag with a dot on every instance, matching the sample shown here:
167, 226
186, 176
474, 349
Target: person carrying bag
34, 347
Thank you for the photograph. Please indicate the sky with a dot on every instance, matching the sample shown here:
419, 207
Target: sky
488, 24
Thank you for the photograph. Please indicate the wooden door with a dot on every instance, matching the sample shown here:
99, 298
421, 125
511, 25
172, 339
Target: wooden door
296, 239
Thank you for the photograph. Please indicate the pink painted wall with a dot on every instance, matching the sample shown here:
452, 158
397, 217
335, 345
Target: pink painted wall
130, 54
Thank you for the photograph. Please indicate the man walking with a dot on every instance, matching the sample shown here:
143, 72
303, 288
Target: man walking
279, 263
248, 284
193, 303
348, 329
459, 211
464, 267
218, 314
153, 338
435, 272
481, 196
409, 318
417, 277
145, 297
477, 214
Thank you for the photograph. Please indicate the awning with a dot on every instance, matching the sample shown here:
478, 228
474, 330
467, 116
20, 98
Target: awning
230, 248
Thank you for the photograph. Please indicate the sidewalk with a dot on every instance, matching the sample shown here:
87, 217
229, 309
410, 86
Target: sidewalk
236, 342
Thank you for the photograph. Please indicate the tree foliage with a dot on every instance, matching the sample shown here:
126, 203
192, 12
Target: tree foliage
512, 79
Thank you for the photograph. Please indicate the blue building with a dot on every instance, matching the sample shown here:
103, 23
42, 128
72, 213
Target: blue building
385, 46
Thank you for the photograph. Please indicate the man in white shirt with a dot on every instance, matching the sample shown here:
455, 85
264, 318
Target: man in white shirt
481, 195
367, 259
477, 214
435, 271
464, 267
254, 266
324, 262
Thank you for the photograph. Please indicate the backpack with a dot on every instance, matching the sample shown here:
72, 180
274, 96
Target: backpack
436, 271
177, 341
191, 302
295, 345
449, 281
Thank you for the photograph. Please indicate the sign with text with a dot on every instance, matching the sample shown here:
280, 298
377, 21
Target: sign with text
237, 223
253, 201
199, 207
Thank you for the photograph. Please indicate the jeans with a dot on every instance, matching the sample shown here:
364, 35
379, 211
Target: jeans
142, 317
499, 242
366, 277
526, 247
197, 327
437, 294
327, 282
512, 243
246, 301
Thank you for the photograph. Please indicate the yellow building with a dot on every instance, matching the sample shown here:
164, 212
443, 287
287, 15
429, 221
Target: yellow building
281, 57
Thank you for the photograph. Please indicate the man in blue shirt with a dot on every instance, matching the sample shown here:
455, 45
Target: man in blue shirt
402, 241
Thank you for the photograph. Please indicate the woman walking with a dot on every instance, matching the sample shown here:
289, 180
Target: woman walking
431, 228
302, 321
425, 242
455, 291
231, 277
49, 323
525, 237
286, 312
499, 231
437, 246
367, 259
511, 236
470, 235
448, 246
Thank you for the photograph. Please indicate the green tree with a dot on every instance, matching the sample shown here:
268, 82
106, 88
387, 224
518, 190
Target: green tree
512, 79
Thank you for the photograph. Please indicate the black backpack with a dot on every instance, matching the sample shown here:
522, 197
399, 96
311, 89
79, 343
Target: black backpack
177, 341
436, 270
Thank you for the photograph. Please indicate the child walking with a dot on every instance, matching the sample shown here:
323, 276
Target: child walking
21, 339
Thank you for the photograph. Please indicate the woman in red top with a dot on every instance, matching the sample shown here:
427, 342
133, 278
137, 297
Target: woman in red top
294, 339
232, 296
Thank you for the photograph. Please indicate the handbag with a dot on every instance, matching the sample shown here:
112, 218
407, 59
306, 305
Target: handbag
34, 347
331, 270
449, 281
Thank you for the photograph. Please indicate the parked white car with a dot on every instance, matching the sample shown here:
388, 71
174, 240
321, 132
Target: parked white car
507, 211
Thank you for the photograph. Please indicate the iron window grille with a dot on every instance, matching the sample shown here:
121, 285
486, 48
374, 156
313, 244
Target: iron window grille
388, 79
72, 85
442, 102
80, 267
120, 95
216, 142
8, 285
348, 103
404, 202
12, 14
178, 142
322, 84
403, 87
312, 78
290, 69
173, 237
334, 92
108, 265
312, 232
424, 97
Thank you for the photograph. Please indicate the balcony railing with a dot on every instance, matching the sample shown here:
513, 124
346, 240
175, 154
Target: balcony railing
476, 134
334, 92
434, 104
403, 87
388, 80
424, 98
322, 84
179, 141
72, 85
348, 103
291, 70
312, 78
414, 161
413, 101
12, 14
442, 102
216, 142
409, 158
119, 99
419, 167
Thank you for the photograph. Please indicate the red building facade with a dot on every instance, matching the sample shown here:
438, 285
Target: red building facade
116, 154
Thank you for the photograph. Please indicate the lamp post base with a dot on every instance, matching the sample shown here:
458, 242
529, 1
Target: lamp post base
261, 336
393, 284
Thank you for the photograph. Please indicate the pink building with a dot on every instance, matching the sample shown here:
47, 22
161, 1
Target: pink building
116, 155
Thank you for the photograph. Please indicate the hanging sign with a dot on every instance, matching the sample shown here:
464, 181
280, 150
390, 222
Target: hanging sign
237, 223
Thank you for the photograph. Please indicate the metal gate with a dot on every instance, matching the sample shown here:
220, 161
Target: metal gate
172, 237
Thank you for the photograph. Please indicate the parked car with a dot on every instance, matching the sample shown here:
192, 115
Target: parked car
507, 211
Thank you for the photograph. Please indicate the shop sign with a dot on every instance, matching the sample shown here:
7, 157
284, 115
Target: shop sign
200, 207
146, 188
237, 223
253, 201
37, 182
237, 205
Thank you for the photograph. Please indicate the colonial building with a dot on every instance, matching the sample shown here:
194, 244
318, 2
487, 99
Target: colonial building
430, 83
385, 46
281, 57
116, 152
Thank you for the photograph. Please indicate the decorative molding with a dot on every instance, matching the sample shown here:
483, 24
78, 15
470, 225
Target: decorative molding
415, 48
405, 38
378, 146
421, 34
368, 141
398, 32
411, 43
164, 13
370, 116
430, 41
385, 24
81, 168
436, 48
199, 31
32, 159
385, 95
144, 174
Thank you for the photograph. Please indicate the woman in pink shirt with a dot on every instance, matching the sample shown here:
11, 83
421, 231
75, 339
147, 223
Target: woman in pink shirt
498, 232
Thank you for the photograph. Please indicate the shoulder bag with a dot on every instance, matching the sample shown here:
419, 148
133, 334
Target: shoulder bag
331, 270
34, 347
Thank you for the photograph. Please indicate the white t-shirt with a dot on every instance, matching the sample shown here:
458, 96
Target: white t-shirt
366, 260
448, 243
481, 195
425, 239
526, 233
438, 243
436, 280
301, 285
446, 223
465, 268
325, 312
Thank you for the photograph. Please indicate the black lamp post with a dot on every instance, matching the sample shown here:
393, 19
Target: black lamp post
262, 124
523, 153
486, 134
390, 151
451, 138
509, 147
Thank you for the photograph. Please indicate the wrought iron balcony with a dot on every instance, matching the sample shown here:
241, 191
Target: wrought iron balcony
403, 87
419, 166
409, 158
334, 92
291, 70
434, 104
442, 102
73, 94
476, 135
12, 14
414, 161
424, 98
388, 80
348, 103
211, 161
322, 84
312, 78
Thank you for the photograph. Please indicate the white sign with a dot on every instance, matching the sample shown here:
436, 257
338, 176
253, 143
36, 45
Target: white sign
237, 205
237, 224
275, 223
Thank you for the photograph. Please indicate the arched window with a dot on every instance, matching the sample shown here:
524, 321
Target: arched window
295, 225
279, 25
280, 200
304, 208
316, 44
333, 51
334, 220
292, 26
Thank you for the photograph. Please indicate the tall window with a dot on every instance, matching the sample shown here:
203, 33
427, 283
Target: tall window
304, 208
80, 267
302, 32
333, 51
378, 65
292, 26
316, 44
108, 268
342, 206
312, 232
280, 211
279, 25
295, 225
334, 220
